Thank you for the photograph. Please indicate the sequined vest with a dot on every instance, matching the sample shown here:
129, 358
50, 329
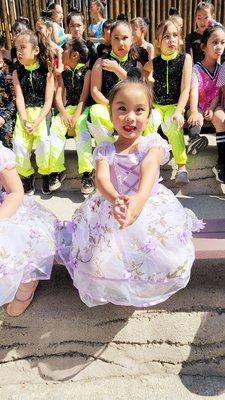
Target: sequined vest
33, 85
167, 79
110, 79
73, 81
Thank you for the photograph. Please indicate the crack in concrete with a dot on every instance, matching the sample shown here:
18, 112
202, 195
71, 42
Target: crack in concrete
61, 355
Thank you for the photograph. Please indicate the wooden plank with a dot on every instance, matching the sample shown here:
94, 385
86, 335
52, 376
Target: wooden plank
209, 248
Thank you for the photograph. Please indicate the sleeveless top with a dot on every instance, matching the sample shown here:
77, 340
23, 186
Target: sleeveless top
110, 79
33, 85
167, 76
73, 81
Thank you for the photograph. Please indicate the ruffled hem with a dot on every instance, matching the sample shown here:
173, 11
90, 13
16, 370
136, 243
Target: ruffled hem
98, 292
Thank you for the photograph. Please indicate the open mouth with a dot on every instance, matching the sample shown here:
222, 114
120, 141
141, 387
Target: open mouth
129, 128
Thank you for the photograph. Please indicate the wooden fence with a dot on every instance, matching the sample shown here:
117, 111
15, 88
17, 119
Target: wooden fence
155, 10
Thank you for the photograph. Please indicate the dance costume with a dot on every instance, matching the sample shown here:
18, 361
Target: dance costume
27, 240
167, 74
73, 81
143, 264
33, 84
101, 126
7, 110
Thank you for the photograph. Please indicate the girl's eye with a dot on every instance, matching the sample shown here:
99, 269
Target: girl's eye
140, 109
122, 108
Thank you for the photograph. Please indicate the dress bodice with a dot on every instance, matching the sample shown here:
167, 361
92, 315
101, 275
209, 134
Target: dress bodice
125, 168
7, 161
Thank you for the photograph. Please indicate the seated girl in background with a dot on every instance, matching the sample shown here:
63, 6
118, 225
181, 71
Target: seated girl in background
171, 72
76, 27
55, 12
139, 30
75, 83
106, 73
34, 88
27, 237
204, 18
131, 242
97, 13
205, 97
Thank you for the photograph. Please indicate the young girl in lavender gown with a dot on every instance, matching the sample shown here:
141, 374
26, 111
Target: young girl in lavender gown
27, 239
131, 242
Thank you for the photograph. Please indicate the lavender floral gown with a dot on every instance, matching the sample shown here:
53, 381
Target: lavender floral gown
141, 265
27, 240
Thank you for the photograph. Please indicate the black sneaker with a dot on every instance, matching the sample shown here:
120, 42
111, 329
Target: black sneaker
45, 184
28, 185
219, 171
55, 180
197, 144
87, 182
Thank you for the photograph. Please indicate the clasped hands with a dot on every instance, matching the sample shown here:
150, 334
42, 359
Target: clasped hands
126, 209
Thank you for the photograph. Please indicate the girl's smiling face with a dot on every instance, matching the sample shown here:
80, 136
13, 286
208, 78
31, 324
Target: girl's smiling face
121, 40
203, 19
130, 111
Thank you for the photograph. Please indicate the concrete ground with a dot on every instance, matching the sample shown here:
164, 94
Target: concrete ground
60, 349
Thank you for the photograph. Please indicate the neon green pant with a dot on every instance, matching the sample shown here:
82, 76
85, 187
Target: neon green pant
82, 138
102, 128
161, 115
23, 144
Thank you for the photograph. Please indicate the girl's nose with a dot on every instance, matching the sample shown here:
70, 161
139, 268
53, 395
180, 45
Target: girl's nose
130, 116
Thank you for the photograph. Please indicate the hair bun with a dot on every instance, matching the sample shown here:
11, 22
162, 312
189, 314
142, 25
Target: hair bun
74, 10
173, 11
146, 20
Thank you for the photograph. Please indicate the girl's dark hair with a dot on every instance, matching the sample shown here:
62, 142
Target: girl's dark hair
122, 17
81, 47
20, 25
131, 80
118, 23
45, 55
50, 6
107, 24
173, 11
74, 13
208, 32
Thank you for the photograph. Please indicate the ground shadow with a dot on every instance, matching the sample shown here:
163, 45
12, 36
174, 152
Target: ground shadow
58, 334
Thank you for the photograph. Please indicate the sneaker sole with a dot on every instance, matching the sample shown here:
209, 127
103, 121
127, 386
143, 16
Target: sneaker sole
57, 185
214, 170
87, 191
30, 193
198, 146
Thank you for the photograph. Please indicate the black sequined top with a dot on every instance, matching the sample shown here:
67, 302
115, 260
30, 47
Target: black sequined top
7, 104
167, 76
110, 79
33, 85
73, 81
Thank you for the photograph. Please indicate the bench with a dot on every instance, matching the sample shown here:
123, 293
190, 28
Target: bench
210, 242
